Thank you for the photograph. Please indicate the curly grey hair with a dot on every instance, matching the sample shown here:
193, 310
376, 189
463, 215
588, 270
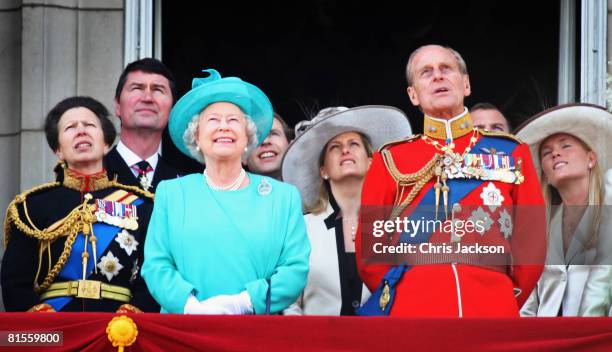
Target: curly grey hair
189, 137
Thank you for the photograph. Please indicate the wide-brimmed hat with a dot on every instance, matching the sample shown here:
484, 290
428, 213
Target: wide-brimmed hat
300, 166
213, 89
591, 124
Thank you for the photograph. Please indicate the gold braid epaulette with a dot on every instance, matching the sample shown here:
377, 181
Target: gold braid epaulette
12, 213
417, 180
500, 134
69, 226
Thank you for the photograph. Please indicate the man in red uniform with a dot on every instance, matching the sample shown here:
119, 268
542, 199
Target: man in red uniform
453, 172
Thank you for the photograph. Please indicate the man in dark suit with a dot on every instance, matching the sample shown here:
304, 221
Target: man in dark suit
143, 99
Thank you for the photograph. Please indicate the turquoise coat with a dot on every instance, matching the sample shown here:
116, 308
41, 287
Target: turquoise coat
211, 242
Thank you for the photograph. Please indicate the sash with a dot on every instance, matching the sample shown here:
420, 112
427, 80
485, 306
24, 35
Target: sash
424, 211
73, 269
458, 189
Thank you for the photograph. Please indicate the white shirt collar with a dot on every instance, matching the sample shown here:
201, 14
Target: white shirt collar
131, 158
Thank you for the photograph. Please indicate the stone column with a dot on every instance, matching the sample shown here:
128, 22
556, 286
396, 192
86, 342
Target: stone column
51, 49
10, 96
609, 58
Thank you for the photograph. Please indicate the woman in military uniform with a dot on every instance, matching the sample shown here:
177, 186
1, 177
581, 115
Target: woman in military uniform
77, 244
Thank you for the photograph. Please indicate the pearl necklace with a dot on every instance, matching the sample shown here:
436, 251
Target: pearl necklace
231, 187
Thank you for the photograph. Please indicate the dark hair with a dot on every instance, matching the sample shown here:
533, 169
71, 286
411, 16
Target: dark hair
147, 65
483, 106
53, 117
488, 106
289, 133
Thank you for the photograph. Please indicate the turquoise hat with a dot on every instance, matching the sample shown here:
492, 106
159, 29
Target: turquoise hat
214, 89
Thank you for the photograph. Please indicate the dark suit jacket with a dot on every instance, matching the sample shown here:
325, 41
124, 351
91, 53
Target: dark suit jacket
116, 166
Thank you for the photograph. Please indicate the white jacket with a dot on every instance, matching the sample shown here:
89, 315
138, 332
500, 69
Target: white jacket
322, 295
579, 283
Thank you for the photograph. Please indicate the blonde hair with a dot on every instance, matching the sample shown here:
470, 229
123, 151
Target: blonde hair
320, 203
595, 199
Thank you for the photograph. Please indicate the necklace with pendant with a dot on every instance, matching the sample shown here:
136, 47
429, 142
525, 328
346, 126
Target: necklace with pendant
353, 229
448, 166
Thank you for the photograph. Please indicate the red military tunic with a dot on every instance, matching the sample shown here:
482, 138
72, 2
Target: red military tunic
450, 289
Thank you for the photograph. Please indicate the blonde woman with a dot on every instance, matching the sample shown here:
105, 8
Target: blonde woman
570, 148
328, 162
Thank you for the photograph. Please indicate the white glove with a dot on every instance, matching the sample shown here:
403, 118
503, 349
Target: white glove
230, 304
193, 306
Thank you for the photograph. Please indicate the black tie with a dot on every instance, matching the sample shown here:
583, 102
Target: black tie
142, 167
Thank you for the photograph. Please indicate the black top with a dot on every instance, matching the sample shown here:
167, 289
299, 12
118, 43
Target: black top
350, 282
116, 166
21, 257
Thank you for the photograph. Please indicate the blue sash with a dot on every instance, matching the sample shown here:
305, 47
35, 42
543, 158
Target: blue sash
73, 269
424, 211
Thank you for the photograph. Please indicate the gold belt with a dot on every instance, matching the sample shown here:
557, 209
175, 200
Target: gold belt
91, 289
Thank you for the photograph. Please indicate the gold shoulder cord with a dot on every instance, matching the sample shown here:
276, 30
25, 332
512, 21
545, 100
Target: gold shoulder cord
80, 218
417, 180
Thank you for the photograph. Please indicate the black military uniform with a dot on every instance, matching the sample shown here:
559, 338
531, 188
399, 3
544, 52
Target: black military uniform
77, 245
117, 167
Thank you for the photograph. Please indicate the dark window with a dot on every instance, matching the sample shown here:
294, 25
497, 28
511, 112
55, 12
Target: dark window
324, 53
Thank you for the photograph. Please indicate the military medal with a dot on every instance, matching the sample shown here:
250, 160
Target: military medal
491, 196
505, 223
109, 265
480, 216
117, 214
449, 166
144, 182
126, 241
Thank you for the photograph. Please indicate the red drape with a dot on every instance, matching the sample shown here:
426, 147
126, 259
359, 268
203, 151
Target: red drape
167, 332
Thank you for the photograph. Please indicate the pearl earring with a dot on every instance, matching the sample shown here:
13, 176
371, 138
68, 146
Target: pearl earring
325, 177
197, 148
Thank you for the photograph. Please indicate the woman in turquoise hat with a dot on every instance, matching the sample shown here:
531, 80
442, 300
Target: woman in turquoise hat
225, 241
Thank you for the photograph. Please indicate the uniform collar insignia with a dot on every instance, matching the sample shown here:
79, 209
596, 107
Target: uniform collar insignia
452, 128
85, 183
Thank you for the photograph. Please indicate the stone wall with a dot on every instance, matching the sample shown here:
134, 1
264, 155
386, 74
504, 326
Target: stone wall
50, 50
